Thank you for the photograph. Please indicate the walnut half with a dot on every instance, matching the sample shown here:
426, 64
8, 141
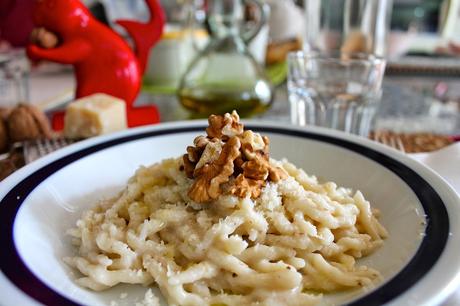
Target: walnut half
210, 177
224, 127
194, 155
244, 187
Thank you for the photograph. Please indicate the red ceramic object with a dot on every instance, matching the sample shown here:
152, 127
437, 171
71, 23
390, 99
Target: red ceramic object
16, 21
103, 61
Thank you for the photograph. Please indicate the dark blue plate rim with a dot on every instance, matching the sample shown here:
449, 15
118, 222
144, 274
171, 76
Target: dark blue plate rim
430, 250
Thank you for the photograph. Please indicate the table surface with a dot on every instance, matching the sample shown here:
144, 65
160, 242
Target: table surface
407, 105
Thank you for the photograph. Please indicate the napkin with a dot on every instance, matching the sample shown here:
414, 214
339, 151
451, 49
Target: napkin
446, 162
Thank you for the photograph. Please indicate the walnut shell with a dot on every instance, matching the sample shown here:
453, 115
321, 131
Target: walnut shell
6, 168
27, 122
4, 138
5, 112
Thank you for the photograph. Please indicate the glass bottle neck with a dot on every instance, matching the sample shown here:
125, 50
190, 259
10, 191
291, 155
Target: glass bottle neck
225, 17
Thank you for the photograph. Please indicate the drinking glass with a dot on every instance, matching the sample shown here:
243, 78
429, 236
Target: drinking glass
347, 25
14, 78
335, 90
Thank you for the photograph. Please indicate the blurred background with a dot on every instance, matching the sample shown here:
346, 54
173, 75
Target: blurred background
421, 43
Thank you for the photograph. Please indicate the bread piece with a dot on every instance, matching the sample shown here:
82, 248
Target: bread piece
94, 115
356, 42
277, 52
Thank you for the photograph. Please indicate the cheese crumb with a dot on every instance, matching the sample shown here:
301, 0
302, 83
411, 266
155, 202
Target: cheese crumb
150, 299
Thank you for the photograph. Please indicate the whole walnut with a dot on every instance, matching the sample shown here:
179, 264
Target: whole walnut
44, 38
5, 112
7, 167
3, 136
26, 122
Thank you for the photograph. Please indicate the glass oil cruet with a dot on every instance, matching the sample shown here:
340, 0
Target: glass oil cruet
225, 76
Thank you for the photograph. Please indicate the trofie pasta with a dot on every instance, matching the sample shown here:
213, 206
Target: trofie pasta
226, 225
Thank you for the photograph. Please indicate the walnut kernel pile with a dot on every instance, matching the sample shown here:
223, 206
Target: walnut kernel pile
229, 160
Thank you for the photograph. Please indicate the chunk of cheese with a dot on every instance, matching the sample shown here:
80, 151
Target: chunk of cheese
94, 115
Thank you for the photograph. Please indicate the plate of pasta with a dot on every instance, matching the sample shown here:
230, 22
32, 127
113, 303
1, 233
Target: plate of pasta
226, 213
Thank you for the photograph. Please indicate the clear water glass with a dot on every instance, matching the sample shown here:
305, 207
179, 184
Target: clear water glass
336, 90
347, 25
14, 79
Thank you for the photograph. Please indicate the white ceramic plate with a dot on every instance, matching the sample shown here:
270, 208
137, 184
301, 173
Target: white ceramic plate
419, 260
